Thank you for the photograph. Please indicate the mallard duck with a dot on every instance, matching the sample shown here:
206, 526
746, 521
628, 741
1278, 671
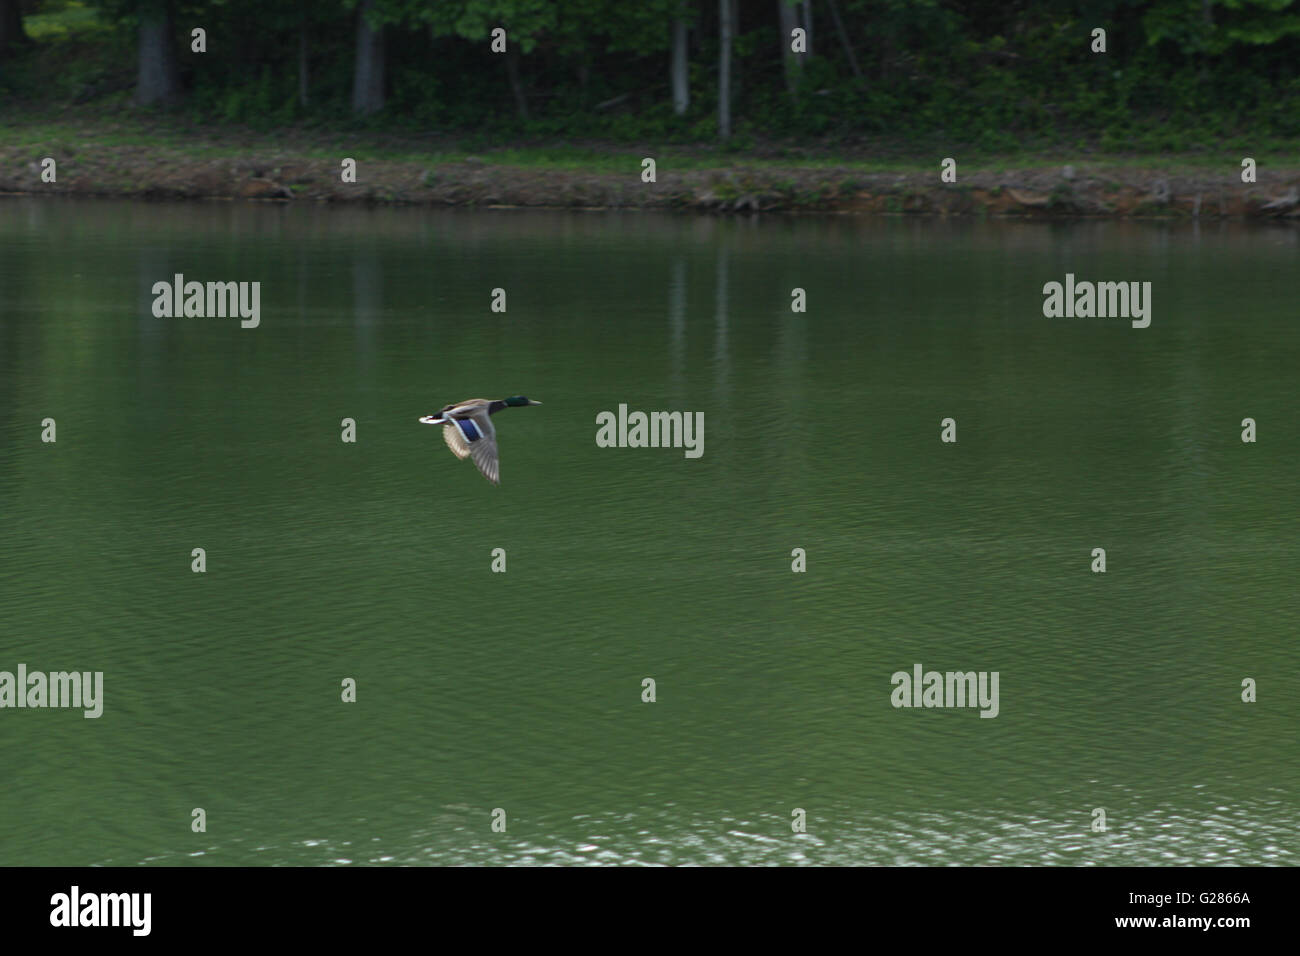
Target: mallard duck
471, 433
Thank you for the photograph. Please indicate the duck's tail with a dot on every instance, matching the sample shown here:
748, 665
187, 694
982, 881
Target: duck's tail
433, 420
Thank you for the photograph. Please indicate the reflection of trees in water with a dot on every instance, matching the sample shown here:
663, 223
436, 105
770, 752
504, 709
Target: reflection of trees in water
677, 330
721, 355
466, 227
18, 339
367, 301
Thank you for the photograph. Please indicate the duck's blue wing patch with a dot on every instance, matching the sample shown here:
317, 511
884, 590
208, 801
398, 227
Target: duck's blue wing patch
468, 429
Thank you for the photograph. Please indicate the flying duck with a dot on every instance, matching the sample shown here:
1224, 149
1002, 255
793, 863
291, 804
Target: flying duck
469, 431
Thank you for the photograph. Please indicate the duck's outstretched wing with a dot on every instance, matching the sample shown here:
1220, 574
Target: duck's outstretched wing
455, 441
478, 438
485, 456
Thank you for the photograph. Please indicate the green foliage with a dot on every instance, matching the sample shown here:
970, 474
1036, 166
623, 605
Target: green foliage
1218, 25
997, 75
64, 19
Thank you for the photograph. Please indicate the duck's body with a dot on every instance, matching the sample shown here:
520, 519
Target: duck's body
469, 432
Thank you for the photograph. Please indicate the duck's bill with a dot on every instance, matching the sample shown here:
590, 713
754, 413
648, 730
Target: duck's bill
531, 402
433, 420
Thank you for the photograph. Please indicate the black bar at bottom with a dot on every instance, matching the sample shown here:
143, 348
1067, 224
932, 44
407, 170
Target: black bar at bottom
329, 905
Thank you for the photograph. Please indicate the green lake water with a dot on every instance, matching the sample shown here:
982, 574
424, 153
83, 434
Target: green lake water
522, 690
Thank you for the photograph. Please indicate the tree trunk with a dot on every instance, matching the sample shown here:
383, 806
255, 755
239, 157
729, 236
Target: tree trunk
724, 69
11, 26
303, 75
844, 40
368, 79
789, 59
806, 9
158, 82
516, 87
680, 69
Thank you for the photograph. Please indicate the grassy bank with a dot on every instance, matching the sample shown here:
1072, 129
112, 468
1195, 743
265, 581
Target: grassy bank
155, 157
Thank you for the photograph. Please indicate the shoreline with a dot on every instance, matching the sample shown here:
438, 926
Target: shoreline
1083, 190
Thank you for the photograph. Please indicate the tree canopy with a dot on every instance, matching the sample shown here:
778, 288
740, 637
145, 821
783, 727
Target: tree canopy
988, 72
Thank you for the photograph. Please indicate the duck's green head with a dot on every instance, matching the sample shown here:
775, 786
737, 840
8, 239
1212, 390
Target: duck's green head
518, 401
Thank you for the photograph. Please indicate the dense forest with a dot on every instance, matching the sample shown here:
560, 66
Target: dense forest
996, 74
